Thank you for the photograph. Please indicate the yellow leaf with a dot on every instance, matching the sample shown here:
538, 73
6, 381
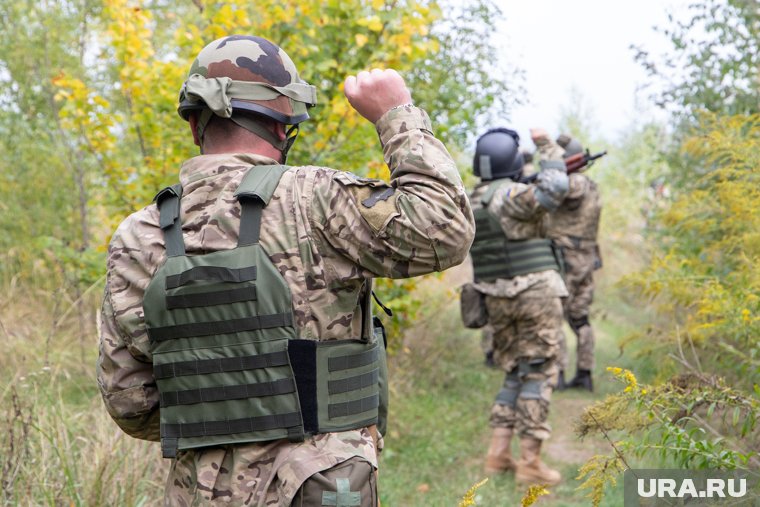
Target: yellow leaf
375, 24
361, 39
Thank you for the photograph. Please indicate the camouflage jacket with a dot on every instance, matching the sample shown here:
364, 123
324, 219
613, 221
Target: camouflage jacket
575, 224
521, 216
327, 232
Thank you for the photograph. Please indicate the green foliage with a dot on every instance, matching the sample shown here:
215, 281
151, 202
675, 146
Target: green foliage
713, 61
704, 277
399, 297
701, 286
97, 83
44, 179
600, 473
691, 422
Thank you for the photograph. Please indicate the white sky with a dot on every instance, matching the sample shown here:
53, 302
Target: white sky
583, 44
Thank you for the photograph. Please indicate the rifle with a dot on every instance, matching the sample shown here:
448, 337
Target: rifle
574, 164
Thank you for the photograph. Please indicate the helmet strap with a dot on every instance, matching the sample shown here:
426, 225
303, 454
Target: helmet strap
252, 124
203, 120
290, 138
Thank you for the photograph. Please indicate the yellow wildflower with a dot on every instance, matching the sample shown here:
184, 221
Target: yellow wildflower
469, 498
533, 493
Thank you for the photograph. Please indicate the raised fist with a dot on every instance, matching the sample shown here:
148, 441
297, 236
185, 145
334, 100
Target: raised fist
374, 93
539, 136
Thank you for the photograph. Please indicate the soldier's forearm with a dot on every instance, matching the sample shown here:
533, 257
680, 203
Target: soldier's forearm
549, 149
431, 196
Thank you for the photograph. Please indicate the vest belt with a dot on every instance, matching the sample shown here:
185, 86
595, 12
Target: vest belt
507, 259
329, 400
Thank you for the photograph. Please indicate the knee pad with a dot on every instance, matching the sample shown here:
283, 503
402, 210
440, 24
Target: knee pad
578, 322
510, 389
531, 389
527, 366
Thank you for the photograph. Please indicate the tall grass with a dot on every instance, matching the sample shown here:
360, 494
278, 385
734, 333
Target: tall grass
58, 446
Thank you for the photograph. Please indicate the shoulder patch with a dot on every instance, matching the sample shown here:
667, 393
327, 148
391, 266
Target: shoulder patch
375, 199
378, 195
376, 205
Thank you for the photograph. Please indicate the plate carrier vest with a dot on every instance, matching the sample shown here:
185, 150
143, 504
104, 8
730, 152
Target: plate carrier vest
227, 359
494, 256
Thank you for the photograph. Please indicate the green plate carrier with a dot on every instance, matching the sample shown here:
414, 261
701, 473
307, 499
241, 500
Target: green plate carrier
227, 359
494, 256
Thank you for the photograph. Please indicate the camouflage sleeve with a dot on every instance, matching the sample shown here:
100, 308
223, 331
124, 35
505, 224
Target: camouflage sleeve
419, 223
124, 367
516, 201
552, 183
548, 149
578, 186
126, 383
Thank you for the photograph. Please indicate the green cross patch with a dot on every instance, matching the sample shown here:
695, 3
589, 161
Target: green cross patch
344, 497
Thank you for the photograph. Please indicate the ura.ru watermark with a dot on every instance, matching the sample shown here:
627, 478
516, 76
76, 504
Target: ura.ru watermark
645, 488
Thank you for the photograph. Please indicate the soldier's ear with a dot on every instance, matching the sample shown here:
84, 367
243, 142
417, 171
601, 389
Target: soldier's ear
280, 131
194, 128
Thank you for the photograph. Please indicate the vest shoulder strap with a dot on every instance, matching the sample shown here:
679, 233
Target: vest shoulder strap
485, 199
254, 193
260, 182
168, 202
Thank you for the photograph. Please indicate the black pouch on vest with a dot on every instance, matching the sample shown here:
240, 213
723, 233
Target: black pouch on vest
473, 307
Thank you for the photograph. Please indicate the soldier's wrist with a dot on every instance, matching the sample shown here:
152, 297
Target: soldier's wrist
406, 116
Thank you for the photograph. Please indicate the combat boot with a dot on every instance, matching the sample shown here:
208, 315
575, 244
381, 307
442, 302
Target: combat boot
489, 361
530, 468
582, 380
499, 457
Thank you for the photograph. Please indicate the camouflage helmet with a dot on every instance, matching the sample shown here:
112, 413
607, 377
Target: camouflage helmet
497, 155
570, 144
242, 76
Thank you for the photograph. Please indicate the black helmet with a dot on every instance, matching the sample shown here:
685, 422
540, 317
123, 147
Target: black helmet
571, 145
497, 155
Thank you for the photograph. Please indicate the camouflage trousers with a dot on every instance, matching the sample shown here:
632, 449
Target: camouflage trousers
579, 279
334, 467
486, 339
526, 338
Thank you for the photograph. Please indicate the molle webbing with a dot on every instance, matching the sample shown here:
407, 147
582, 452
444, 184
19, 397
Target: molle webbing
221, 297
244, 425
211, 273
226, 357
494, 256
196, 329
228, 364
220, 393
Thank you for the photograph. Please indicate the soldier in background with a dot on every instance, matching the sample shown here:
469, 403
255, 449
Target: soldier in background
574, 226
486, 340
517, 270
320, 237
